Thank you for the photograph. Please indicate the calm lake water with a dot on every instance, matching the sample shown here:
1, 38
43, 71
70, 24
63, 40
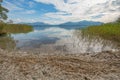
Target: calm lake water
54, 39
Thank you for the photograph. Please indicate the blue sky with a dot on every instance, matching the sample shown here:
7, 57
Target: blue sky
61, 11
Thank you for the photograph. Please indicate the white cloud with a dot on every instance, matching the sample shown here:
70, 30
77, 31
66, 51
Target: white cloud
25, 12
19, 20
68, 10
11, 7
83, 10
29, 12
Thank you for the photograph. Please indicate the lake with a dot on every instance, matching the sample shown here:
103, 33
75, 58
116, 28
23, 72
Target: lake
54, 39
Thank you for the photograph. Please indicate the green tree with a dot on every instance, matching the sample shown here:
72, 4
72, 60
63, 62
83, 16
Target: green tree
3, 12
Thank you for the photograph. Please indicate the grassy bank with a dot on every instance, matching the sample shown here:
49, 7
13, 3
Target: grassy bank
109, 31
14, 28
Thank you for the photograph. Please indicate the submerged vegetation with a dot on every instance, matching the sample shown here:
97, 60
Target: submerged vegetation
109, 31
14, 28
7, 42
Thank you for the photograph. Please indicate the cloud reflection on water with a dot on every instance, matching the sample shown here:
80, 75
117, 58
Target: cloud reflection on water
57, 38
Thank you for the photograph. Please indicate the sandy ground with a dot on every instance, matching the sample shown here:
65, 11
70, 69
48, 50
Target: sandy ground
16, 65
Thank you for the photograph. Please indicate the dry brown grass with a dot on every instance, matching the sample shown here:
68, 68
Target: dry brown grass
59, 67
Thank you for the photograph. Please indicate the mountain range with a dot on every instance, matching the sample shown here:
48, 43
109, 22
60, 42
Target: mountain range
80, 23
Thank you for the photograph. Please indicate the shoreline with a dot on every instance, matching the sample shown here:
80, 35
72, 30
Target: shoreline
29, 66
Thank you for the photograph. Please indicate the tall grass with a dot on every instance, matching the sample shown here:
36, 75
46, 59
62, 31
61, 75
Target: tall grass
109, 31
14, 28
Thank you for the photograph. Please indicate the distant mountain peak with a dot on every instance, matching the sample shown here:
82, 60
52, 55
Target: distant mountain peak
80, 23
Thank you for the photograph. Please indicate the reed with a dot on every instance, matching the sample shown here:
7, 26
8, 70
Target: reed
14, 28
109, 31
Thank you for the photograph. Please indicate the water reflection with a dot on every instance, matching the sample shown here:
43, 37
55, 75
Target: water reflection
40, 37
56, 39
85, 44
